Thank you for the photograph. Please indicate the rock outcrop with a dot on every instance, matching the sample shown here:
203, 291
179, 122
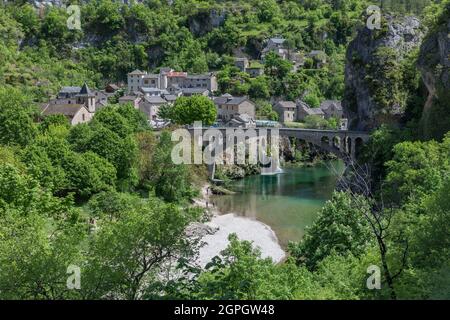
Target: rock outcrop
434, 64
399, 36
205, 21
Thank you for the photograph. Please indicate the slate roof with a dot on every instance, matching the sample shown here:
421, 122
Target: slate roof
138, 72
100, 95
328, 103
286, 104
194, 90
85, 91
236, 100
170, 97
128, 98
229, 100
154, 99
69, 110
220, 100
70, 90
315, 111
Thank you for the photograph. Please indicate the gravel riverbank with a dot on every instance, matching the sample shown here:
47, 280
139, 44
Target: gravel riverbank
249, 229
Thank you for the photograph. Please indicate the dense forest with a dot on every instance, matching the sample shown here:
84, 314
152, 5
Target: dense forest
56, 179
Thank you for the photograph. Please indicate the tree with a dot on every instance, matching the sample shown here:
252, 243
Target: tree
147, 143
136, 118
54, 120
186, 110
129, 258
16, 122
416, 169
121, 152
276, 67
112, 119
240, 273
340, 228
259, 88
35, 259
170, 181
312, 100
44, 169
112, 205
315, 122
268, 10
266, 111
88, 174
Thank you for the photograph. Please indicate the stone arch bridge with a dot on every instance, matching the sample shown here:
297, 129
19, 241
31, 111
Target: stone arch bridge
343, 143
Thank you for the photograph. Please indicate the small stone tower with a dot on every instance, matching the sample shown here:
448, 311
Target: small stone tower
87, 97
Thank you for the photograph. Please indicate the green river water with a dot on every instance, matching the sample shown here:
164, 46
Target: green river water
287, 202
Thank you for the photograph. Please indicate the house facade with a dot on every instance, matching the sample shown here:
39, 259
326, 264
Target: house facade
229, 106
75, 113
150, 106
287, 111
134, 100
303, 110
78, 104
332, 109
167, 78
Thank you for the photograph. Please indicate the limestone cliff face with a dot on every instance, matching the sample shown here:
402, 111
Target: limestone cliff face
434, 64
398, 36
205, 21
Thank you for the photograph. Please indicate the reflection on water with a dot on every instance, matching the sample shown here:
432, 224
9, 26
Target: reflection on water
288, 202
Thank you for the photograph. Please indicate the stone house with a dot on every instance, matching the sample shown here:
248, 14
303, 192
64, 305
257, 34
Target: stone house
150, 106
229, 106
303, 110
287, 111
166, 78
275, 45
241, 121
332, 109
134, 80
75, 113
134, 100
85, 103
319, 57
253, 68
76, 95
241, 63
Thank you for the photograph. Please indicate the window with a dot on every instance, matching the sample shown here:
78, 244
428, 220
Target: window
83, 116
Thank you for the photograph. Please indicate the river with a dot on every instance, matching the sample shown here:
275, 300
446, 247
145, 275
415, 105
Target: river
287, 202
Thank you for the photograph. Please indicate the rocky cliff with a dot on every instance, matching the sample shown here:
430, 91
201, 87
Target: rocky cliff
434, 64
373, 73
